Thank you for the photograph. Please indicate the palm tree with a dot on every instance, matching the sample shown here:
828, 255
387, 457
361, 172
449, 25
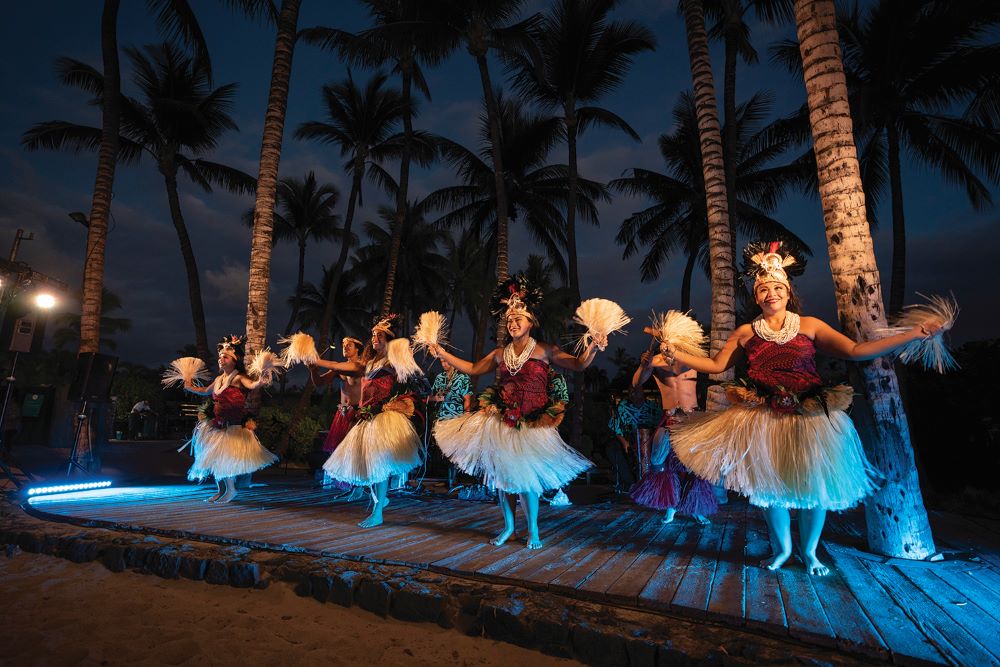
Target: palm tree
176, 19
68, 331
267, 176
481, 25
556, 309
538, 192
716, 202
920, 76
421, 269
179, 111
350, 317
305, 210
363, 124
468, 277
730, 27
392, 39
584, 56
677, 221
897, 520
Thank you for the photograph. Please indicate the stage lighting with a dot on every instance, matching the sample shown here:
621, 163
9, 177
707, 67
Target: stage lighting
66, 488
45, 301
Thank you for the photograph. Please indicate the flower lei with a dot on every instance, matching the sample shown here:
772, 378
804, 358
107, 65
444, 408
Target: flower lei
549, 415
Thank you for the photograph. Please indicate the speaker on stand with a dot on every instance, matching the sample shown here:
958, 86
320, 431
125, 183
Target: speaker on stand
91, 385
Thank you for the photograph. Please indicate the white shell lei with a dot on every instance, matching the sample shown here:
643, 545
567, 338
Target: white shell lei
514, 362
222, 382
789, 328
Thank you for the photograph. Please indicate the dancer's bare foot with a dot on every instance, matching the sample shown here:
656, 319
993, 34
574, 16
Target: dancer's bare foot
375, 519
534, 542
776, 561
815, 567
502, 537
214, 498
228, 495
702, 519
668, 517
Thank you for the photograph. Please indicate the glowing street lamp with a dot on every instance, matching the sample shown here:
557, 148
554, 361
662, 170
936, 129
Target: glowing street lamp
45, 300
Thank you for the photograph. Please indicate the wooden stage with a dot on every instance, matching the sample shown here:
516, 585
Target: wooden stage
618, 554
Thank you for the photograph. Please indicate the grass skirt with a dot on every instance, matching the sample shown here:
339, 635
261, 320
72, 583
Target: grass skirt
513, 460
375, 449
674, 486
778, 460
226, 452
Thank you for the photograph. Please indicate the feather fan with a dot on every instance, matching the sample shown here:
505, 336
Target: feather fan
602, 318
930, 352
682, 331
431, 330
184, 370
300, 349
265, 365
401, 357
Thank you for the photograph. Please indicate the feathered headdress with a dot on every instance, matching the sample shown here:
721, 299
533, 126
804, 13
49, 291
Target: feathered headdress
234, 345
515, 296
771, 261
385, 324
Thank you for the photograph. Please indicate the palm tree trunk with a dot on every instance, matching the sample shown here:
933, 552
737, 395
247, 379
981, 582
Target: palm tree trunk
897, 520
97, 232
729, 144
576, 410
297, 301
686, 282
897, 286
169, 170
714, 172
267, 182
401, 194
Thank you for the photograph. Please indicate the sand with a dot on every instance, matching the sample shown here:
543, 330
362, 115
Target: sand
56, 612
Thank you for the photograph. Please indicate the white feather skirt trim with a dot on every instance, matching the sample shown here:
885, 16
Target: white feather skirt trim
779, 460
226, 452
375, 450
510, 459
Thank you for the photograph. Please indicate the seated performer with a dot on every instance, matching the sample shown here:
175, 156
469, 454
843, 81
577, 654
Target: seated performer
632, 421
786, 442
513, 440
223, 443
382, 442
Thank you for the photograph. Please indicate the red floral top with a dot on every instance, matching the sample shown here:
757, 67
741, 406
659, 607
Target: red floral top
791, 366
378, 387
525, 392
229, 407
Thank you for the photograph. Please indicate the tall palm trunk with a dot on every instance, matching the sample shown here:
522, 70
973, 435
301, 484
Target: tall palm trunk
576, 414
686, 281
299, 283
169, 170
267, 180
404, 184
713, 170
897, 286
97, 232
729, 158
897, 520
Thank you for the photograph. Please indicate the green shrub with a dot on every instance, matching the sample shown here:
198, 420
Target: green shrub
272, 423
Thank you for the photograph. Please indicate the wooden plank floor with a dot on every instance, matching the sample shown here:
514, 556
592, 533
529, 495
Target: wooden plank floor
947, 612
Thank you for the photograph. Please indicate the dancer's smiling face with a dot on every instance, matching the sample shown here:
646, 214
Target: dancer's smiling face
379, 341
772, 297
518, 326
227, 361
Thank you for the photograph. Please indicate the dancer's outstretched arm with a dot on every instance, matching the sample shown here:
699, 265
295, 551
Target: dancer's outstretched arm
196, 390
484, 365
352, 368
830, 341
721, 362
557, 356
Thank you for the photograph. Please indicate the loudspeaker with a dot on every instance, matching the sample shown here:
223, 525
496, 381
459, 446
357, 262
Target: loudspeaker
94, 375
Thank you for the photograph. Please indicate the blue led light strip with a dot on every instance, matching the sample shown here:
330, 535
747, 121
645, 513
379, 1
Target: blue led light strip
65, 488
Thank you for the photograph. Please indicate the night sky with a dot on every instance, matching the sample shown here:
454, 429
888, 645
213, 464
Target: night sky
951, 246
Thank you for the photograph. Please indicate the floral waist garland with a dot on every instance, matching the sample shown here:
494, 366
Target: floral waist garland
817, 400
206, 411
491, 401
